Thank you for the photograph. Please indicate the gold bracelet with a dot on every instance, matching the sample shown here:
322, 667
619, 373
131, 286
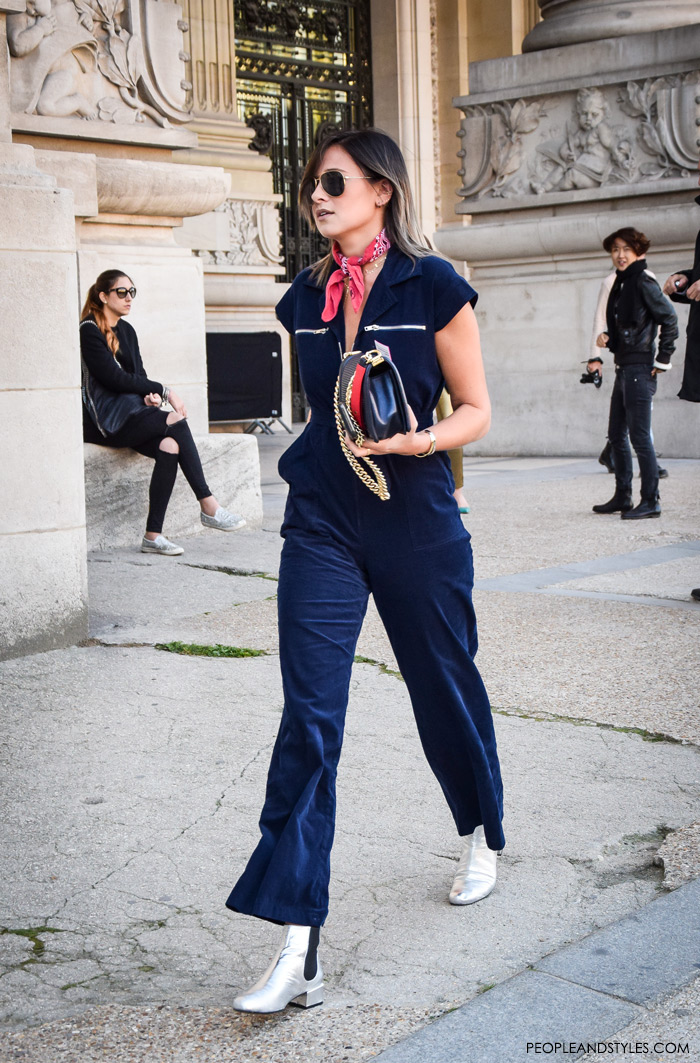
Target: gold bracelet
431, 448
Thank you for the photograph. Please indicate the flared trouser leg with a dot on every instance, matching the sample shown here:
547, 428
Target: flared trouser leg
424, 598
322, 599
429, 617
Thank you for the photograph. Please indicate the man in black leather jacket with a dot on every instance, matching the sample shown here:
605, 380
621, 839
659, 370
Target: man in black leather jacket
636, 311
684, 287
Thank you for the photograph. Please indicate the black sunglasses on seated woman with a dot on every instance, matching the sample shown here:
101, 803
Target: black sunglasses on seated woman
333, 182
123, 292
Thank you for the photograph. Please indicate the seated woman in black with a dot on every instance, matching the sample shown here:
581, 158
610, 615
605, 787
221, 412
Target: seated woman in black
123, 408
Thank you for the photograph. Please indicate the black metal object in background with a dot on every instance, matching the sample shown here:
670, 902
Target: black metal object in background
244, 371
302, 70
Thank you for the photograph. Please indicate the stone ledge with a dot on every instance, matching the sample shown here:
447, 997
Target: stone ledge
116, 490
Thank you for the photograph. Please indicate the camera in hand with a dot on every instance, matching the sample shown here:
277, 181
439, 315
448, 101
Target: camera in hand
592, 378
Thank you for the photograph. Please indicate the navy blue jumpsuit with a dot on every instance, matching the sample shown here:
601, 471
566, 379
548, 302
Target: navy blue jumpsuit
412, 553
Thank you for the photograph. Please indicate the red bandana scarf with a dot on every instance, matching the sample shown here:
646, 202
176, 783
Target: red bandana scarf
351, 268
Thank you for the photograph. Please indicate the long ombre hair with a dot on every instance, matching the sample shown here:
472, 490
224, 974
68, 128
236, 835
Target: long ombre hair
379, 158
93, 305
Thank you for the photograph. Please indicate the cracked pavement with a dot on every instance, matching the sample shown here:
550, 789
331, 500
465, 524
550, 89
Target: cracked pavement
133, 779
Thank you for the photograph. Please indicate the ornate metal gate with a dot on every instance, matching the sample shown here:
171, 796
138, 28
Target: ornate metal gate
302, 70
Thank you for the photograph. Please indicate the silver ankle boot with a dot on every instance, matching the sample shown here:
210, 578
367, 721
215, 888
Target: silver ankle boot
476, 873
293, 977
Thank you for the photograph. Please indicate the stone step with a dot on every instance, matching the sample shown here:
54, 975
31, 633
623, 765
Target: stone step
116, 490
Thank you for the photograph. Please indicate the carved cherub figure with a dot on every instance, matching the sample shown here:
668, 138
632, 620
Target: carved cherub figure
589, 154
54, 51
60, 96
27, 29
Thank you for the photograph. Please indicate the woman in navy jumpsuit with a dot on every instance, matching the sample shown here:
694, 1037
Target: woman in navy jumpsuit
342, 542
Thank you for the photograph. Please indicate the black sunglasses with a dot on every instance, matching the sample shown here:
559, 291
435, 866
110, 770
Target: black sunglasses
123, 292
333, 182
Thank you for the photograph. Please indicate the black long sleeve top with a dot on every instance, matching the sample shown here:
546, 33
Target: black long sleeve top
127, 375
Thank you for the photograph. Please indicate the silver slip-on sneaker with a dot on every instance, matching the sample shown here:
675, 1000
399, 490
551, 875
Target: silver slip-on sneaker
222, 520
161, 545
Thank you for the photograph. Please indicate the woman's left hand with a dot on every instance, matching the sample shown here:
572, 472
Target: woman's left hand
408, 443
153, 399
177, 403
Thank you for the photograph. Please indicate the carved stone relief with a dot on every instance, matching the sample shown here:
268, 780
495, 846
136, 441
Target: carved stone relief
117, 61
253, 232
617, 134
592, 153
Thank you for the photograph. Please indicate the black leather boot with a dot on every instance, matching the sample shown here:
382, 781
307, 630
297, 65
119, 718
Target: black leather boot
648, 507
619, 503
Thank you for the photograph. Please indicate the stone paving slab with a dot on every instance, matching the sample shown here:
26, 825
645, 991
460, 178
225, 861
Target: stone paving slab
525, 520
643, 956
582, 573
194, 597
613, 663
596, 659
661, 581
610, 663
530, 1009
673, 1021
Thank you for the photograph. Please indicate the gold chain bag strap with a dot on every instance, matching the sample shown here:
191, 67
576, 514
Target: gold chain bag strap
347, 423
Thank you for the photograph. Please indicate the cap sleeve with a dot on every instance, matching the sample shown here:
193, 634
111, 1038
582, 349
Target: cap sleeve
285, 309
450, 293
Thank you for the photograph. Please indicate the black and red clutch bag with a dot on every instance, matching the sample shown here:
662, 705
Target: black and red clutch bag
370, 402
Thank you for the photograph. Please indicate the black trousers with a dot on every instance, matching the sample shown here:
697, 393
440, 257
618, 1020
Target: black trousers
630, 420
144, 433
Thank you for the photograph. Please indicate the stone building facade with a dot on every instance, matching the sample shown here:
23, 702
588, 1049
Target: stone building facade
141, 134
594, 127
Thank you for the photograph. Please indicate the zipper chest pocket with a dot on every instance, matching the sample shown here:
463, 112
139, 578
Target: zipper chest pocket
310, 331
394, 328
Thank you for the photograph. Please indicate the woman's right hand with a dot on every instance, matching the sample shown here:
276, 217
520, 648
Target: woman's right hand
602, 340
153, 399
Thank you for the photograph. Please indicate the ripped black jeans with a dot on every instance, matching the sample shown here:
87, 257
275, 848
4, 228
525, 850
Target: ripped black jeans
144, 433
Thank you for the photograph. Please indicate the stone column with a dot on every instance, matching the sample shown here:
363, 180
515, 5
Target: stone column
575, 21
43, 583
403, 93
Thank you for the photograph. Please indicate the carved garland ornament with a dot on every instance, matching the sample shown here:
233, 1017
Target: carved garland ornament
585, 146
253, 234
115, 61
